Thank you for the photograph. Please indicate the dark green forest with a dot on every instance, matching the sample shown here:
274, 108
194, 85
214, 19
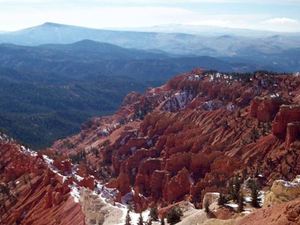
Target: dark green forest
47, 92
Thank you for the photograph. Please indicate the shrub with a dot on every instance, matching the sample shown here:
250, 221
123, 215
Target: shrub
241, 202
222, 200
153, 214
141, 221
255, 202
234, 188
128, 219
174, 216
206, 207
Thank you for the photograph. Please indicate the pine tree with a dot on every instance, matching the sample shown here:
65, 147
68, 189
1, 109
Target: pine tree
196, 199
234, 188
141, 221
128, 219
174, 216
206, 207
222, 200
153, 214
254, 194
241, 202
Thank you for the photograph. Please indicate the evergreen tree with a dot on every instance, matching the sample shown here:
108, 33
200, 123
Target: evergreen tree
244, 174
241, 203
222, 200
254, 194
254, 134
174, 216
153, 214
141, 221
196, 199
234, 188
128, 219
206, 207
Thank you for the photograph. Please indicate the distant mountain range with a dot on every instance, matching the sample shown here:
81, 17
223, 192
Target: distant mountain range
47, 91
222, 43
53, 77
205, 30
89, 58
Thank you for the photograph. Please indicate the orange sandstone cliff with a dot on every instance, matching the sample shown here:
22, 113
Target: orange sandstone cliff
31, 192
175, 142
191, 135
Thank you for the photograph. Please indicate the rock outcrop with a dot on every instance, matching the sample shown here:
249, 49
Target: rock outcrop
280, 214
287, 114
292, 133
283, 191
191, 135
210, 198
31, 192
97, 211
265, 108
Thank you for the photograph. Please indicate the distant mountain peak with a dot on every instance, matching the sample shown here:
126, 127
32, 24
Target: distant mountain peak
51, 24
226, 36
87, 41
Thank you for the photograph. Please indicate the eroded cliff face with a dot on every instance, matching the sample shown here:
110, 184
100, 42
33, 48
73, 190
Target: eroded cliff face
283, 191
191, 135
280, 214
31, 192
36, 189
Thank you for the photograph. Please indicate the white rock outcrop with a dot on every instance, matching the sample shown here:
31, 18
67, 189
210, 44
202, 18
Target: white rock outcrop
283, 191
97, 211
210, 198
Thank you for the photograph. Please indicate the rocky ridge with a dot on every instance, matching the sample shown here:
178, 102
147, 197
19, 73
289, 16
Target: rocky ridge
191, 135
35, 190
175, 143
32, 191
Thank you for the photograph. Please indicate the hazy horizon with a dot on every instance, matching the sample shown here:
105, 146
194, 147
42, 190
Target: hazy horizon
271, 15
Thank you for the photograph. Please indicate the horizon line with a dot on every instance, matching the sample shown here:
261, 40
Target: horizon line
131, 28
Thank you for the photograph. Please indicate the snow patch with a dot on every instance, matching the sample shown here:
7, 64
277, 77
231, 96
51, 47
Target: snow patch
178, 101
276, 95
248, 199
78, 178
75, 193
53, 169
232, 205
27, 151
48, 160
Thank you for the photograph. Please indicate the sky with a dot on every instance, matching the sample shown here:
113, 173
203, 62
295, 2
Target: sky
272, 15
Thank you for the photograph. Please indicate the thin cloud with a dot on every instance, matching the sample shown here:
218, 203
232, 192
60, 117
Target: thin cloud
282, 24
281, 21
123, 2
16, 14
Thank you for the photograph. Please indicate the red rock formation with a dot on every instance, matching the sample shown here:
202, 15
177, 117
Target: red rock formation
178, 161
265, 108
281, 214
31, 192
193, 134
177, 187
287, 114
173, 143
293, 133
88, 182
65, 166
157, 183
131, 98
122, 183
